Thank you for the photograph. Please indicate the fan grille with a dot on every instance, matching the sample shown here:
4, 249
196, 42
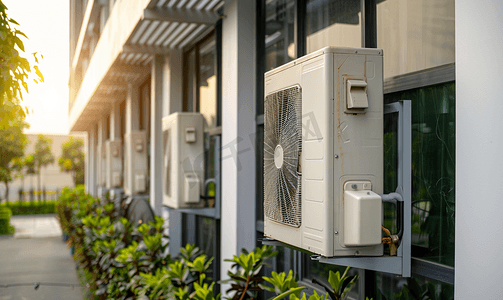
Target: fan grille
282, 149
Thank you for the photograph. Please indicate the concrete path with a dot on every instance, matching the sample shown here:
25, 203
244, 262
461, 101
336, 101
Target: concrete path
35, 226
37, 254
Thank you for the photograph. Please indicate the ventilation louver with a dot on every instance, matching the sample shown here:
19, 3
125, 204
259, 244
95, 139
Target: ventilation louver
282, 151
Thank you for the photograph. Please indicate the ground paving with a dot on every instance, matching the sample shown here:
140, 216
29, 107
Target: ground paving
36, 253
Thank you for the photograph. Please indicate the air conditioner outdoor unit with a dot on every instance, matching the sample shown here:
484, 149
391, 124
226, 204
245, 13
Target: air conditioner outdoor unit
135, 163
114, 163
183, 160
323, 152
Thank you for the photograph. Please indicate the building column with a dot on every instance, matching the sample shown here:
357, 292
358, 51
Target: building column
102, 136
238, 131
479, 103
172, 102
156, 133
87, 169
115, 136
92, 161
132, 124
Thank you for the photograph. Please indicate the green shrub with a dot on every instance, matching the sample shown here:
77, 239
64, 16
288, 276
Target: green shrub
123, 262
5, 214
31, 207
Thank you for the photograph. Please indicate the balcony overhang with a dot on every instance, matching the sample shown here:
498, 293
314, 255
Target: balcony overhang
135, 32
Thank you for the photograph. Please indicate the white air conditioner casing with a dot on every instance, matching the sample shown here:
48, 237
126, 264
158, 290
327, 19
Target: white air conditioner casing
183, 160
323, 152
135, 163
114, 164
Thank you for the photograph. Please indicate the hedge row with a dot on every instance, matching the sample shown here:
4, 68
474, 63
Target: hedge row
124, 262
5, 227
31, 207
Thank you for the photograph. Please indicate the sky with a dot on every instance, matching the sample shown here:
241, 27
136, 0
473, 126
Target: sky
46, 23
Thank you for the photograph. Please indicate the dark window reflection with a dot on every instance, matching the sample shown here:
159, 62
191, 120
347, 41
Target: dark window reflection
206, 235
433, 169
279, 33
416, 287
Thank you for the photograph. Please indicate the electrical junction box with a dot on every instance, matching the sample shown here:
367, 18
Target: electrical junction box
323, 152
114, 164
183, 160
135, 163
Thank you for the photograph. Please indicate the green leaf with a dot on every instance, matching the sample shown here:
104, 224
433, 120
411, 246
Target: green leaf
291, 291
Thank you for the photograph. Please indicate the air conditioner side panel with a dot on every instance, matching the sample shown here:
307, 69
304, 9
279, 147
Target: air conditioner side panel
359, 139
317, 134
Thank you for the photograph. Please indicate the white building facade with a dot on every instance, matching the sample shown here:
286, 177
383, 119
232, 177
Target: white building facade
133, 62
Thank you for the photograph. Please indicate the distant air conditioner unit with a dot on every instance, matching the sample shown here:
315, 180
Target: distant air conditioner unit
135, 163
183, 160
114, 164
323, 152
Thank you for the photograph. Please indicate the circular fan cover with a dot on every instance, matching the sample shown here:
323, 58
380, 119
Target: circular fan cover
282, 149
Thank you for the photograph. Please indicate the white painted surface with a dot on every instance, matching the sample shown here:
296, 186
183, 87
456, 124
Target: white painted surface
156, 133
238, 131
479, 162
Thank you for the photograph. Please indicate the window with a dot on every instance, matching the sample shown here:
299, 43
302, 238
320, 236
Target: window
415, 35
433, 162
279, 33
334, 23
201, 84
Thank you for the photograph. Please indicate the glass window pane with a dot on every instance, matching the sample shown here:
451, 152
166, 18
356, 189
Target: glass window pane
415, 34
206, 235
334, 23
279, 33
208, 82
394, 287
433, 170
190, 94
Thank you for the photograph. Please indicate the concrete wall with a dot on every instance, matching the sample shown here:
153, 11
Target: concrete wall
479, 172
51, 177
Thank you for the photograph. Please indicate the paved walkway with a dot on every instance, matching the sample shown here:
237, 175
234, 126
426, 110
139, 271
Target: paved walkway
35, 226
36, 253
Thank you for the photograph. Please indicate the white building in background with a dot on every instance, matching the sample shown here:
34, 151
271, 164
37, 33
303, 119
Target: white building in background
51, 178
133, 62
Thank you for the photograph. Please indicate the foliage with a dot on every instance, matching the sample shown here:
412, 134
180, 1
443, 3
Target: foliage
72, 159
14, 68
12, 141
31, 207
245, 278
123, 262
5, 215
43, 155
